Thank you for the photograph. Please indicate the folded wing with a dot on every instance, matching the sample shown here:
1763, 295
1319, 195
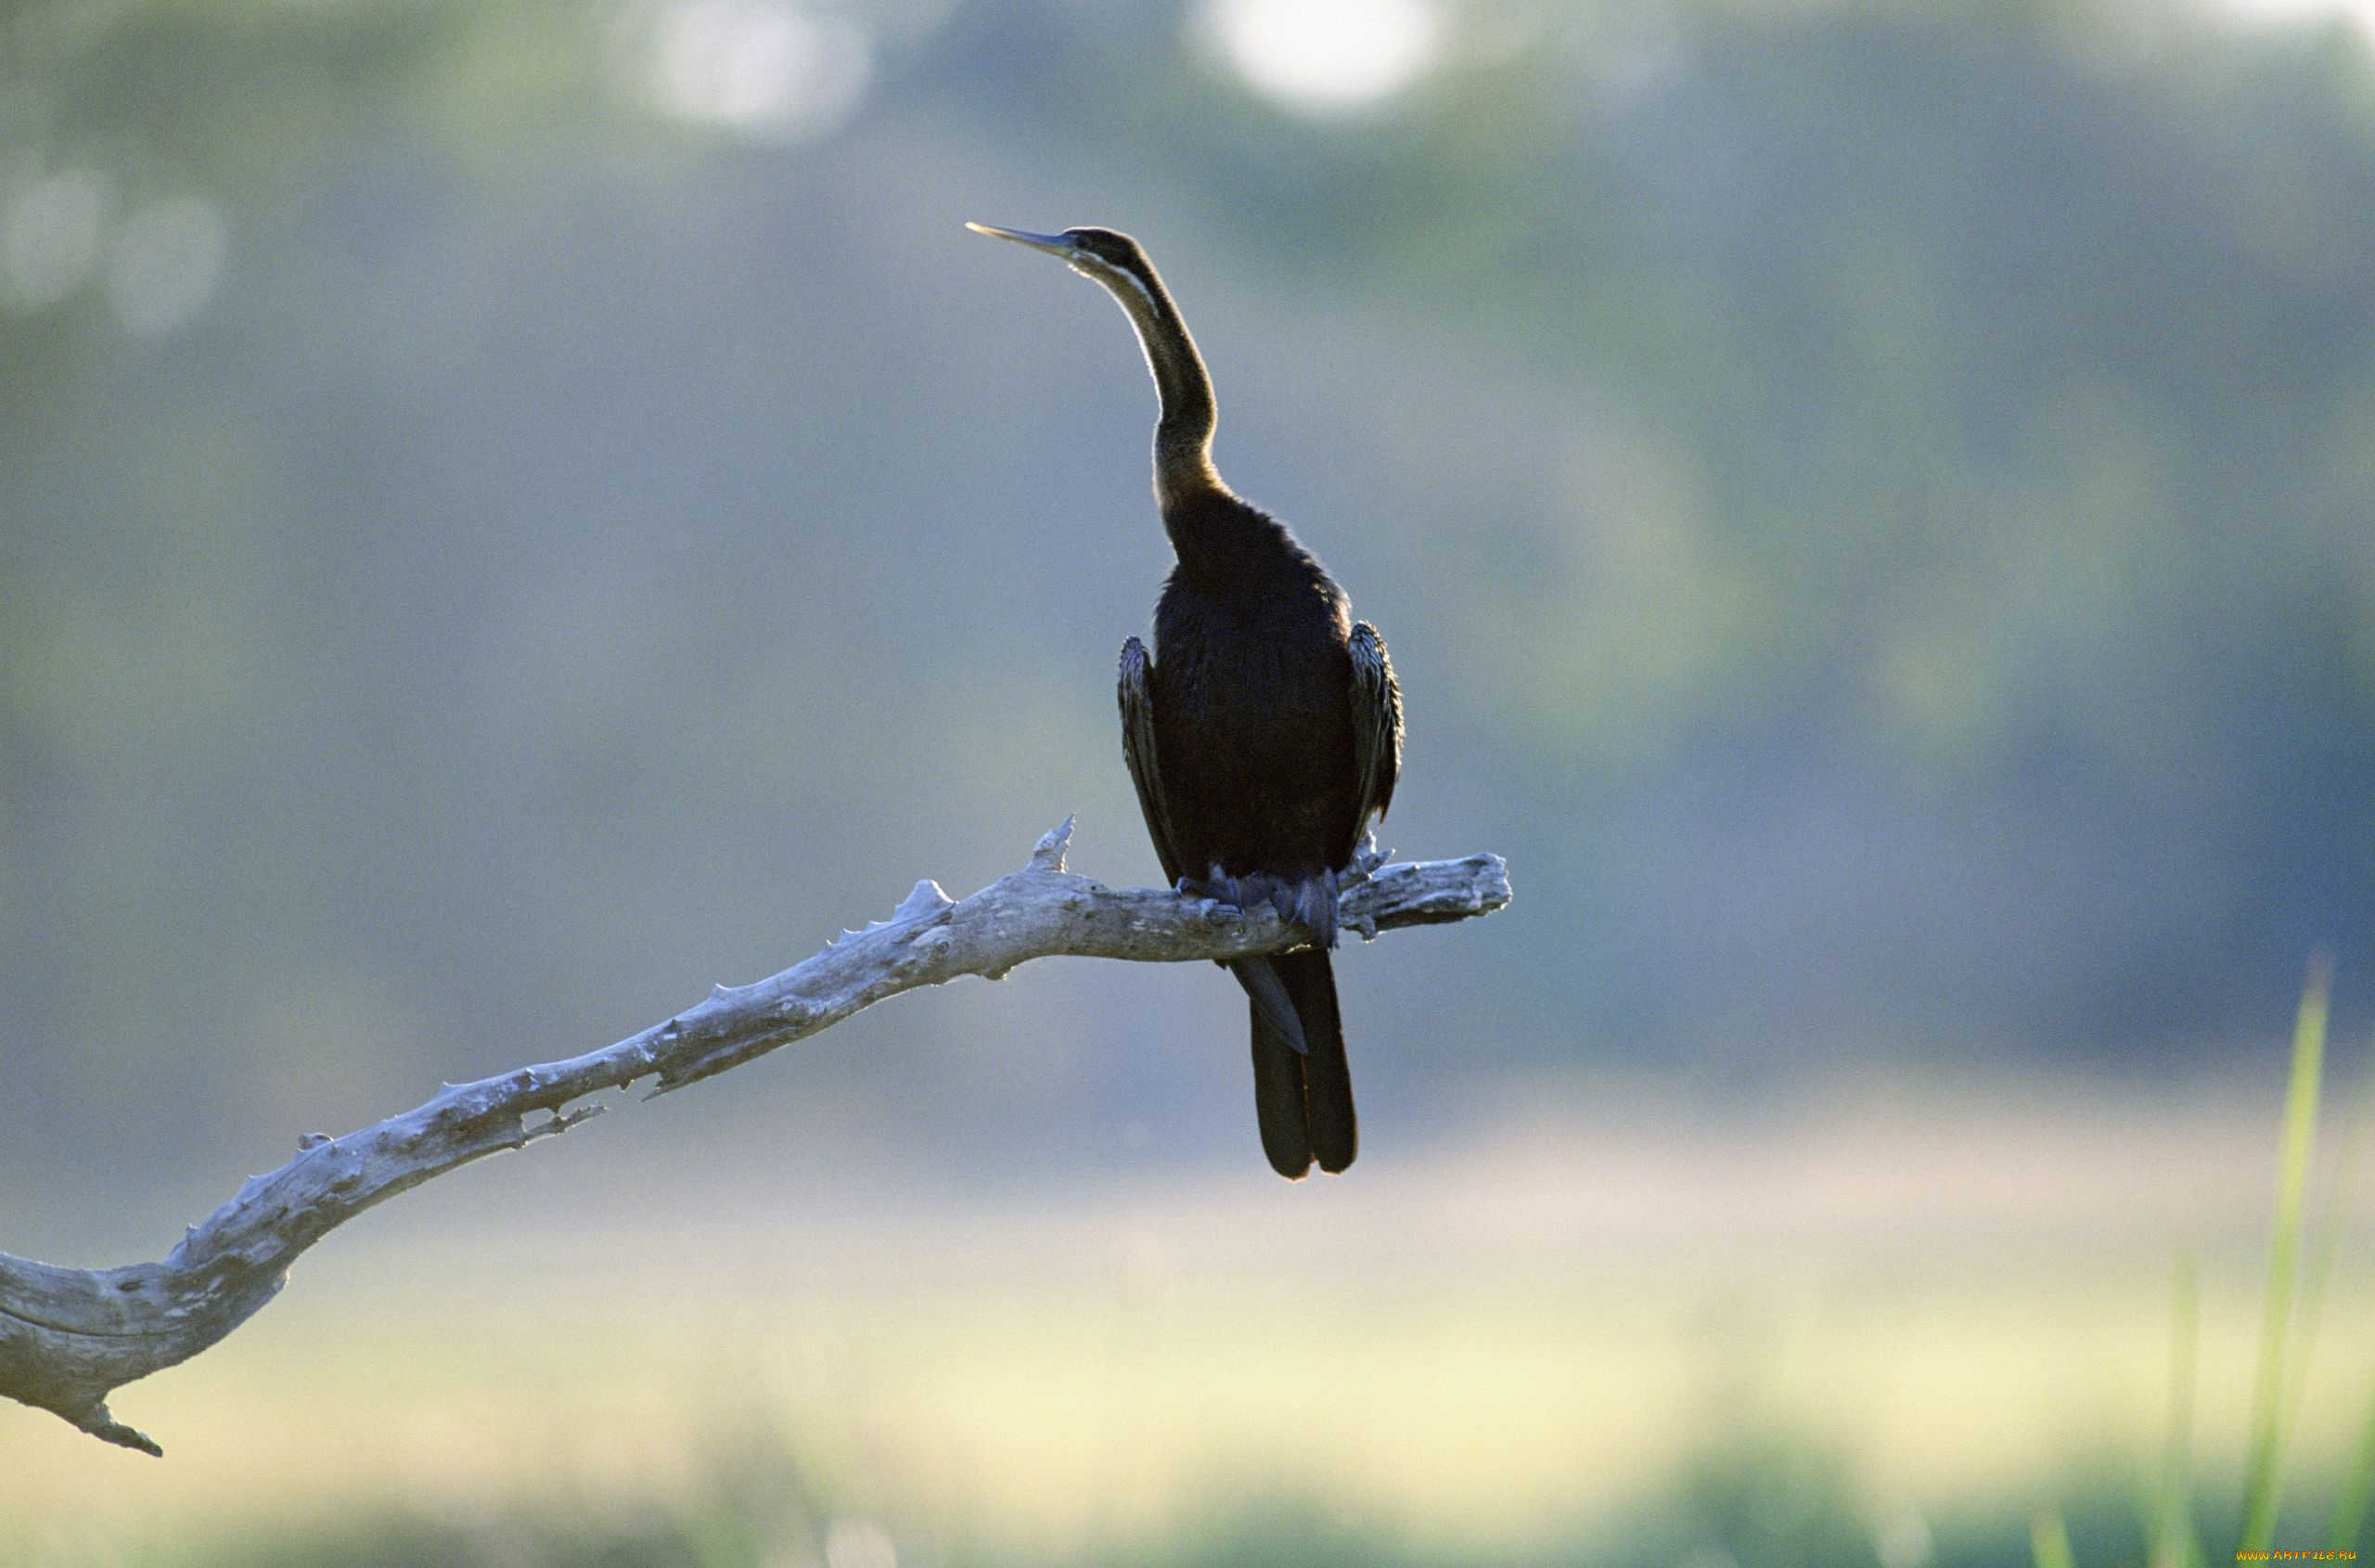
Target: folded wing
1376, 726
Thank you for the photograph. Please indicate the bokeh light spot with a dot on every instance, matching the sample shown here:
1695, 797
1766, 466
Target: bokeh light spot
49, 238
166, 262
1327, 56
2297, 13
859, 1542
762, 67
1902, 1541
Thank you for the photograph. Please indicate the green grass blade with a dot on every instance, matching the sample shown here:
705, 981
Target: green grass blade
2262, 1470
2350, 1505
2050, 1542
2171, 1528
2333, 1226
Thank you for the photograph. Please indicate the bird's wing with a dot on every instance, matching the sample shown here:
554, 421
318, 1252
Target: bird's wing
1138, 750
1377, 725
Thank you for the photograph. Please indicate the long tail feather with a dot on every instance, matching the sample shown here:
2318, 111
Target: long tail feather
1335, 1131
1278, 1093
1272, 1004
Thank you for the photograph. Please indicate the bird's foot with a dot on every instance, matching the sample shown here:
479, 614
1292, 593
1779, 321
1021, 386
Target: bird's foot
1218, 893
1315, 908
1309, 901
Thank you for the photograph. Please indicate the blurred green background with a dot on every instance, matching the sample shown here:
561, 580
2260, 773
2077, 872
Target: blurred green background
512, 513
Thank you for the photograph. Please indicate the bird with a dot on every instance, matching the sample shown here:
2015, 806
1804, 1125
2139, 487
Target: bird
1263, 730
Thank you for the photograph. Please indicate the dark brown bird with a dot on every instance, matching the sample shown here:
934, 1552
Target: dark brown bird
1265, 731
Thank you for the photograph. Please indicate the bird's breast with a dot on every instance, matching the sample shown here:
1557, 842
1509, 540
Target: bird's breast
1254, 729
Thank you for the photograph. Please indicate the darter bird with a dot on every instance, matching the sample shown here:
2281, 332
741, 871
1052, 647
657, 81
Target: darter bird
1264, 732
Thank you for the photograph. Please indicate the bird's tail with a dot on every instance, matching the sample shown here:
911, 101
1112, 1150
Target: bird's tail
1303, 1099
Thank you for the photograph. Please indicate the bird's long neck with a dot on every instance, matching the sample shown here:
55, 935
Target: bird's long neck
1220, 540
1183, 434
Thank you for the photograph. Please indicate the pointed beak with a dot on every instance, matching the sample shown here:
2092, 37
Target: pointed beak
1054, 244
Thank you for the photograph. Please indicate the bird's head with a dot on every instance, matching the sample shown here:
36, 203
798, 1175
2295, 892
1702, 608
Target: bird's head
1112, 258
1184, 435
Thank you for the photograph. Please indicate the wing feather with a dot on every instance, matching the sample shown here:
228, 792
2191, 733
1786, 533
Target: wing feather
1377, 725
1138, 748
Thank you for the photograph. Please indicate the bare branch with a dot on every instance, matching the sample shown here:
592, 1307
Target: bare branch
68, 1337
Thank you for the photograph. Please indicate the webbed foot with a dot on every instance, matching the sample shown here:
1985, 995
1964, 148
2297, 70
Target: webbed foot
1222, 891
1309, 901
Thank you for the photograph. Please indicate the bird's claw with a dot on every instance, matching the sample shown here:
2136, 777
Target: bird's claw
1309, 901
1217, 897
1314, 906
